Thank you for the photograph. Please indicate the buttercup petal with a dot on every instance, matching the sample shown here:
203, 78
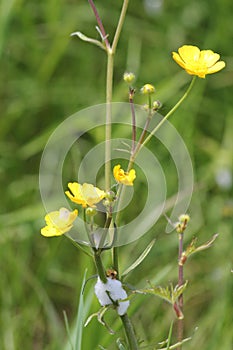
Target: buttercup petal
75, 193
178, 59
189, 53
208, 57
92, 195
217, 67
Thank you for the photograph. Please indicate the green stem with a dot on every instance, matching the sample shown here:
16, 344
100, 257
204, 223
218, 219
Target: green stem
129, 332
108, 126
115, 261
120, 25
99, 266
109, 82
169, 113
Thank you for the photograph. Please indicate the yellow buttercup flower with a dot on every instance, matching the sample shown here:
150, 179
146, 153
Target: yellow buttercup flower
86, 194
58, 222
197, 62
126, 178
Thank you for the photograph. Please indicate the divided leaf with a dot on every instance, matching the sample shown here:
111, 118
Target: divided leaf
100, 318
191, 249
169, 293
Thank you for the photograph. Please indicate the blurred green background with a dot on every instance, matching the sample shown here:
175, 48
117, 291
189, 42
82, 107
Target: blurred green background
45, 77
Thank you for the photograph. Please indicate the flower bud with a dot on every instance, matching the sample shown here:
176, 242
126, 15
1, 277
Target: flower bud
147, 89
111, 196
184, 218
91, 211
156, 105
145, 107
129, 77
106, 202
181, 225
179, 228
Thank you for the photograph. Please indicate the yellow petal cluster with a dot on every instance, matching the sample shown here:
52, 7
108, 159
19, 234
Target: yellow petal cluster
196, 62
126, 178
86, 194
58, 222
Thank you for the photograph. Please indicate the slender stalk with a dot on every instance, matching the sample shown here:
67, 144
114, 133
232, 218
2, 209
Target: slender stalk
139, 144
100, 24
106, 227
109, 82
108, 126
115, 261
129, 332
180, 330
131, 95
170, 112
120, 25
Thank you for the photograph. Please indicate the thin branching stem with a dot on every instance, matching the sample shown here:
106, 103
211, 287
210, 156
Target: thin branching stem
100, 24
170, 112
120, 25
109, 82
131, 95
180, 329
108, 126
132, 341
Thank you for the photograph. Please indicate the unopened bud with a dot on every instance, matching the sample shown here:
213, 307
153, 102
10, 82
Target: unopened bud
129, 77
182, 223
178, 227
91, 211
147, 89
145, 107
111, 196
156, 105
184, 218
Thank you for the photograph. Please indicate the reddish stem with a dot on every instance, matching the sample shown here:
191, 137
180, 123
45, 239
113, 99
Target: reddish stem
100, 24
131, 95
180, 299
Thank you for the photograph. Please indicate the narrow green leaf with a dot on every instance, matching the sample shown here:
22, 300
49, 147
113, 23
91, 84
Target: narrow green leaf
89, 40
68, 330
207, 244
79, 322
169, 336
120, 345
140, 259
